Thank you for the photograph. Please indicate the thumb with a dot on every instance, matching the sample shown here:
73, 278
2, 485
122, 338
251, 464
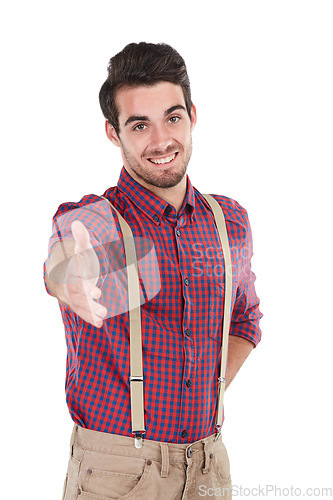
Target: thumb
81, 237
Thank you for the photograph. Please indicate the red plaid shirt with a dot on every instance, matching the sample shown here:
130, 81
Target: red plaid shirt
181, 312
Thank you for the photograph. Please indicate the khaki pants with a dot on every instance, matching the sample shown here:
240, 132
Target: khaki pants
104, 466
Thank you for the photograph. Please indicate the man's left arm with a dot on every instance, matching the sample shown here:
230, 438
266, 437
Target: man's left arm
245, 333
238, 351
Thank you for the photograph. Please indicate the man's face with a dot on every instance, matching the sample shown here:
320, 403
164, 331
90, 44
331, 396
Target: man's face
154, 133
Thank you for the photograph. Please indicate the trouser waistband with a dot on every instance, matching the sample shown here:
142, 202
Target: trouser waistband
163, 452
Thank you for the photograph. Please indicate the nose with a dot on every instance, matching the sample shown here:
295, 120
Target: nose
160, 139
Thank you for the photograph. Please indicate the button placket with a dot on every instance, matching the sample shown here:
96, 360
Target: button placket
185, 270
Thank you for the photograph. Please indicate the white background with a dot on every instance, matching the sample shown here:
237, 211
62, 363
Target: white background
262, 79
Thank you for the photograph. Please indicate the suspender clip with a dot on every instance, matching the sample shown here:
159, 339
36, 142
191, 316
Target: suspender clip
136, 379
138, 441
218, 432
221, 380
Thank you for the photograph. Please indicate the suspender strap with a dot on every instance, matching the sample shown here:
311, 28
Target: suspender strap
136, 377
223, 235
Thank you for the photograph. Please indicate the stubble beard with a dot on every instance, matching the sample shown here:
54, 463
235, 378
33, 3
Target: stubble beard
163, 178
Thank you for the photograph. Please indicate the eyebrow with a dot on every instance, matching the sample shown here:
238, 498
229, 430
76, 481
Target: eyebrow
138, 118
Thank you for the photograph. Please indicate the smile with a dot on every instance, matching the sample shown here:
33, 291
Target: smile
162, 161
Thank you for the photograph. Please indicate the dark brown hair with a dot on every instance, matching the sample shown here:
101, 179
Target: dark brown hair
142, 64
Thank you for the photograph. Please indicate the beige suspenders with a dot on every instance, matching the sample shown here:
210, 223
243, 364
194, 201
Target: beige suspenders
223, 234
136, 368
136, 373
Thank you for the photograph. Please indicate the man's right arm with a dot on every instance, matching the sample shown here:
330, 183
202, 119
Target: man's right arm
71, 274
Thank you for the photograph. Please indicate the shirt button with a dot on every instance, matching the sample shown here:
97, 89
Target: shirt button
177, 232
188, 383
188, 332
186, 281
184, 434
156, 218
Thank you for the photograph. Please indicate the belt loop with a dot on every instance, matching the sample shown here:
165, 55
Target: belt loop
73, 436
206, 467
165, 459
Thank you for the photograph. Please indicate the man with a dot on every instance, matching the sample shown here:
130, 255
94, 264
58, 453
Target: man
179, 453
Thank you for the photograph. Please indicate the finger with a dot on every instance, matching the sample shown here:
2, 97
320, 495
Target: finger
89, 318
95, 308
79, 300
81, 287
95, 293
81, 237
89, 307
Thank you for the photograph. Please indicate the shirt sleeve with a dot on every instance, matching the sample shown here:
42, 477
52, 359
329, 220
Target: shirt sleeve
246, 313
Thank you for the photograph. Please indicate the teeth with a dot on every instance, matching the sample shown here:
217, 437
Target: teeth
163, 160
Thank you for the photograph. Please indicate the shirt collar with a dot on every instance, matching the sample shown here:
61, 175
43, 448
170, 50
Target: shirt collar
152, 205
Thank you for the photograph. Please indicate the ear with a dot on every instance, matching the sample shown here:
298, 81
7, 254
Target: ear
112, 134
193, 117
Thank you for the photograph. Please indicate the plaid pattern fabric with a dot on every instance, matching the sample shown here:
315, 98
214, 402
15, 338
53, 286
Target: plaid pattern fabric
181, 312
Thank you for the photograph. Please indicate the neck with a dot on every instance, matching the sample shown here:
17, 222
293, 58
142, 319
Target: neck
175, 195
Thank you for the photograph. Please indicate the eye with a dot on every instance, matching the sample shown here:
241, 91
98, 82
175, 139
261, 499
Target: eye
139, 127
174, 119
